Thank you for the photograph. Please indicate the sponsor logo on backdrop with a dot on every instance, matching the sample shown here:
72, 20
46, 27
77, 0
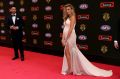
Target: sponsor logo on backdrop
48, 35
82, 47
24, 18
104, 49
35, 26
105, 37
83, 6
2, 31
22, 10
82, 37
35, 41
83, 17
1, 4
23, 33
35, 17
2, 17
61, 7
1, 10
105, 28
48, 8
48, 26
49, 43
21, 2
35, 8
107, 5
2, 24
3, 37
82, 27
48, 17
11, 2
35, 33
34, 1
48, 1
106, 16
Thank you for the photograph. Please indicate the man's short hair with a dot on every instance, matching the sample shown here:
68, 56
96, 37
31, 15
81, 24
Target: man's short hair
12, 6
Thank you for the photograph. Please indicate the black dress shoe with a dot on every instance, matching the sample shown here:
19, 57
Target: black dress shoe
22, 59
15, 58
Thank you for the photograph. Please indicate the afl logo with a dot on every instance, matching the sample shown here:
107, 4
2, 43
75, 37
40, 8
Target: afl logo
83, 6
23, 32
3, 31
11, 2
34, 1
1, 11
48, 35
105, 28
82, 37
22, 9
48, 8
35, 25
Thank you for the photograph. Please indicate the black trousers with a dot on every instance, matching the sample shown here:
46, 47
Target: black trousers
17, 45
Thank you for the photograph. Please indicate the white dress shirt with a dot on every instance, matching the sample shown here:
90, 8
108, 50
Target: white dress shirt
14, 18
115, 41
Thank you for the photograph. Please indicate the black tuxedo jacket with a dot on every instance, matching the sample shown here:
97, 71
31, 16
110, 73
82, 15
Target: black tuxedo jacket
18, 22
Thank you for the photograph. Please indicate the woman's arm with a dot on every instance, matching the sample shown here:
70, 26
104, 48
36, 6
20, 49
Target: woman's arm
63, 38
72, 22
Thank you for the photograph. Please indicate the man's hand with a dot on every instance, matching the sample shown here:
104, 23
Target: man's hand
116, 45
11, 27
14, 27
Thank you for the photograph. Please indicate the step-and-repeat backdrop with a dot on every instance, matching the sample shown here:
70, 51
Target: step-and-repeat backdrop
44, 25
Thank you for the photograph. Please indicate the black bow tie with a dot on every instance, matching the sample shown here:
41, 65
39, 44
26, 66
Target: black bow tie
13, 15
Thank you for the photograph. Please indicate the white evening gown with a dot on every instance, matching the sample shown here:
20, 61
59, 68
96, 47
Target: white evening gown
79, 63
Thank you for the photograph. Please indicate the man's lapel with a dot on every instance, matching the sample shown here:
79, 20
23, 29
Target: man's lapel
16, 19
11, 19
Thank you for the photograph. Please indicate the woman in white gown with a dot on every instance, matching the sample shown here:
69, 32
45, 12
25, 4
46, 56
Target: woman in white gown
74, 61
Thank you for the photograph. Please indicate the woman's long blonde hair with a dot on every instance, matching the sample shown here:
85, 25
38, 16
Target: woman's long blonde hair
65, 16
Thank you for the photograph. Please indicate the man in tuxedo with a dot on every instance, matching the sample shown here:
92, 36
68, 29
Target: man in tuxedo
117, 36
15, 23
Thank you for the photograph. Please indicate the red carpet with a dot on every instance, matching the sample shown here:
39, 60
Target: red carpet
41, 66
